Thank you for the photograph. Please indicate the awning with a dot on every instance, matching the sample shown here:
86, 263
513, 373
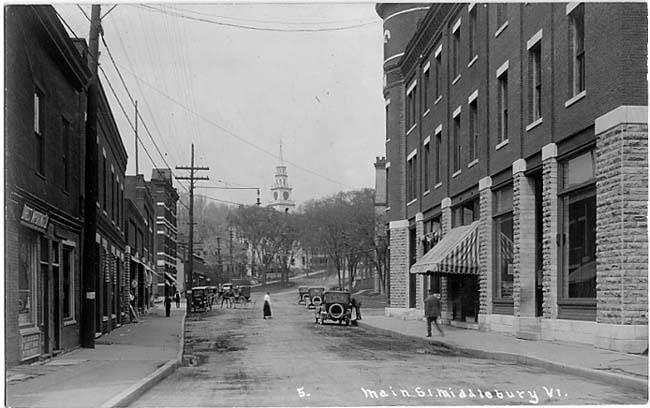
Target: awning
457, 252
170, 279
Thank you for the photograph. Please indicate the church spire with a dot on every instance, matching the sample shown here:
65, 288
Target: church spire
281, 159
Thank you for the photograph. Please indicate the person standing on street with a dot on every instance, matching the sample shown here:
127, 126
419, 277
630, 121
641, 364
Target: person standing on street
177, 298
168, 305
432, 311
267, 306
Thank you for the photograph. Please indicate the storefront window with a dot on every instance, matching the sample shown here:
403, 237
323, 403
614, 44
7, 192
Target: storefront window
505, 275
578, 198
68, 298
503, 245
26, 267
465, 213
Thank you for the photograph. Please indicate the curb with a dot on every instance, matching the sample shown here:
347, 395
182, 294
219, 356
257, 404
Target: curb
129, 395
638, 384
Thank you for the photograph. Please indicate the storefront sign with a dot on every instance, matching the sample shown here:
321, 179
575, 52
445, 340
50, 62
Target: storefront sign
34, 217
90, 295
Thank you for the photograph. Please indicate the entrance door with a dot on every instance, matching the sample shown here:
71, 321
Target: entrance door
44, 295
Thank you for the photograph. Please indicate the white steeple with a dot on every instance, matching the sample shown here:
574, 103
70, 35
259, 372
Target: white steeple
282, 199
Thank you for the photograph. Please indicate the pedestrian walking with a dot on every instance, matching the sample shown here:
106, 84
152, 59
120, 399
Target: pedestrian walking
432, 311
168, 305
267, 306
357, 308
177, 298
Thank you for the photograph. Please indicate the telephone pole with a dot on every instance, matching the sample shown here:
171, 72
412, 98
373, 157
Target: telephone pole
90, 261
192, 178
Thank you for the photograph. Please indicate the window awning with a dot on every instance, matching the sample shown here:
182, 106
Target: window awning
457, 252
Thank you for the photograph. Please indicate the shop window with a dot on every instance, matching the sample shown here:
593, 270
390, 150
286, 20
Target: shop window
503, 245
578, 238
26, 278
465, 213
68, 282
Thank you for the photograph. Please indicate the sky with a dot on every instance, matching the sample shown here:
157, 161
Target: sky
236, 79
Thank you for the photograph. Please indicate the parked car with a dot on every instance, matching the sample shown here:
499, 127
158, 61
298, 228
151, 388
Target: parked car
303, 295
199, 296
315, 297
336, 306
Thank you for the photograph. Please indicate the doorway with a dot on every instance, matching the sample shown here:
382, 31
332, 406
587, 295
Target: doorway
464, 297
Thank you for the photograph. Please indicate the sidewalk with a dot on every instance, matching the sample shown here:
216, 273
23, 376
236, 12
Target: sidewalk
123, 364
627, 370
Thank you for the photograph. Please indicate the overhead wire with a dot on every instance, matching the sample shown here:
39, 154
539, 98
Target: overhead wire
249, 27
240, 138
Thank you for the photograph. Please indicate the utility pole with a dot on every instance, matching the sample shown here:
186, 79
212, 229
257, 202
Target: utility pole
232, 263
90, 261
192, 178
219, 256
137, 170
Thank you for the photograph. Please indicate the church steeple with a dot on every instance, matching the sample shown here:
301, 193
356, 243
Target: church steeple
281, 190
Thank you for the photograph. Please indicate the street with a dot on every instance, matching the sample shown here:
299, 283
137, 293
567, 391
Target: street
240, 359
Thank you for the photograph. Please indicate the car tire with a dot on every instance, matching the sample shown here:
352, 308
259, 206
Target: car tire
316, 300
336, 310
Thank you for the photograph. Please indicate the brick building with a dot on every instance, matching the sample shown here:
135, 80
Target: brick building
110, 241
165, 198
139, 228
44, 147
516, 141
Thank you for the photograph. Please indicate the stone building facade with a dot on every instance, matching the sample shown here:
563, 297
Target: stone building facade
521, 125
44, 134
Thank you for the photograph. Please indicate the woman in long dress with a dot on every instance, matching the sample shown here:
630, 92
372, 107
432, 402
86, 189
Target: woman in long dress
267, 305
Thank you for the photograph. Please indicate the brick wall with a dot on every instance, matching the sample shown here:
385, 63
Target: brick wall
399, 268
549, 233
419, 283
621, 225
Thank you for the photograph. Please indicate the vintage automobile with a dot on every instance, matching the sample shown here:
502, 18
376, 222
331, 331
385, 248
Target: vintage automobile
199, 296
315, 297
336, 306
303, 295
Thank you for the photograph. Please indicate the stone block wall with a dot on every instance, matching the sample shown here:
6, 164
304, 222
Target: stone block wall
399, 267
621, 225
485, 245
523, 206
550, 230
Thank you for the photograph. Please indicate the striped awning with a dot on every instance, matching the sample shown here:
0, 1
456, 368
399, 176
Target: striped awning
170, 279
457, 252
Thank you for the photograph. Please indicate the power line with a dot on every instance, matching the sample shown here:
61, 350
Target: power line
119, 102
266, 21
139, 114
221, 201
248, 27
210, 121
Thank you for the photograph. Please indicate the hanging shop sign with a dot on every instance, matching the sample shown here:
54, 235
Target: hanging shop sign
34, 218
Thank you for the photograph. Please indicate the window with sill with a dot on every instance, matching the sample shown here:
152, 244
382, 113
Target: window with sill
438, 165
438, 67
578, 228
502, 106
535, 82
577, 50
503, 245
425, 168
411, 178
38, 131
425, 94
456, 144
411, 107
473, 130
456, 53
472, 34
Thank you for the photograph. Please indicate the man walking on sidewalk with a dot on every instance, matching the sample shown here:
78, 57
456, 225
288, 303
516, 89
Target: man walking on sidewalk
168, 305
432, 311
